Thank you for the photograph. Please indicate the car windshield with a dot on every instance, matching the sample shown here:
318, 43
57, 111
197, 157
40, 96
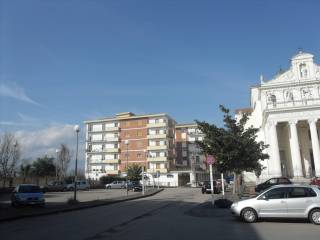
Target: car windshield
29, 189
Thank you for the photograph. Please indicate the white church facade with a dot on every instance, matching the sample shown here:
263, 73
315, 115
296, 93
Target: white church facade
286, 109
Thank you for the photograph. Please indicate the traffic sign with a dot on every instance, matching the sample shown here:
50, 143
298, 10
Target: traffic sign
210, 159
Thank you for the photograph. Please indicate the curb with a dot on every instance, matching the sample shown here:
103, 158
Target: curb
85, 205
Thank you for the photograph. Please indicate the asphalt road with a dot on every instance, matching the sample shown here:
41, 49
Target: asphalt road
172, 214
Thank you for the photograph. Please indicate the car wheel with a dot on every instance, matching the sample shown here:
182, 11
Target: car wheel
314, 216
71, 189
249, 215
108, 187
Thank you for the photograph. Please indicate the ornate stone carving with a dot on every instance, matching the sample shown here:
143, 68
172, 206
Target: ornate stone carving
288, 95
306, 93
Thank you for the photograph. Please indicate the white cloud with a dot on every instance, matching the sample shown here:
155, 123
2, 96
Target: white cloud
45, 141
14, 91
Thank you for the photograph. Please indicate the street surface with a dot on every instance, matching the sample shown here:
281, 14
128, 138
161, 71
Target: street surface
177, 213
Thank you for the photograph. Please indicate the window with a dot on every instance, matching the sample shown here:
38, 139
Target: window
127, 135
272, 181
115, 156
138, 155
300, 192
115, 145
277, 193
283, 181
139, 122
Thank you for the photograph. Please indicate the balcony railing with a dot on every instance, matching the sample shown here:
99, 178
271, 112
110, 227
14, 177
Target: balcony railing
157, 136
111, 161
156, 124
157, 159
161, 147
155, 170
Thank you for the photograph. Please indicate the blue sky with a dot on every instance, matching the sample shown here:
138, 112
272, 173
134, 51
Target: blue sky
63, 61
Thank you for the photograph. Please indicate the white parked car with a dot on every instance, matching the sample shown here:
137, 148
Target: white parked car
116, 185
81, 185
281, 201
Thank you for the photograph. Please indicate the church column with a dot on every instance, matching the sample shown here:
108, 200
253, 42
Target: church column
275, 155
295, 150
315, 145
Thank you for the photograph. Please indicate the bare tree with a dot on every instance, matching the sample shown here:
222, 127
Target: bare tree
9, 157
64, 158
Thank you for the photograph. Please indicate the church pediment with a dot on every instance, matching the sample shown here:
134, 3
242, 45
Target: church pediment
302, 69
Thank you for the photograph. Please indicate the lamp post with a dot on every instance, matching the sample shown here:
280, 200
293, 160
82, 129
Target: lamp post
144, 187
77, 130
57, 163
126, 142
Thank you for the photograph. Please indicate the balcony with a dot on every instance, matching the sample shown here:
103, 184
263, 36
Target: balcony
162, 170
112, 172
96, 140
112, 161
157, 159
111, 129
111, 139
157, 136
111, 150
95, 161
157, 125
162, 147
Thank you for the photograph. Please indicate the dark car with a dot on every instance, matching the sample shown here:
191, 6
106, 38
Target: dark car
272, 182
27, 194
315, 181
55, 186
134, 186
206, 187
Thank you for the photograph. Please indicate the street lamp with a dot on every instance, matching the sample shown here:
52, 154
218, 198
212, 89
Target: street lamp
144, 187
57, 163
126, 142
77, 130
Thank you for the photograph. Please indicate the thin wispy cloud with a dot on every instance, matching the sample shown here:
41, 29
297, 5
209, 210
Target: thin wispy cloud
14, 91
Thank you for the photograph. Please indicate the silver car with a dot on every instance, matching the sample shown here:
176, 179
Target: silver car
281, 201
116, 184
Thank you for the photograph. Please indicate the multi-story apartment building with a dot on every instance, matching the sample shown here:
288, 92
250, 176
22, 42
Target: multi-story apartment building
112, 143
189, 158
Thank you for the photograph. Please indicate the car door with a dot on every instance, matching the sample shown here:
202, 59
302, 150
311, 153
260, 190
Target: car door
273, 203
299, 199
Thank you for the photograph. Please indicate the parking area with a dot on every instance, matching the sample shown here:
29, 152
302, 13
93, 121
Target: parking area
57, 198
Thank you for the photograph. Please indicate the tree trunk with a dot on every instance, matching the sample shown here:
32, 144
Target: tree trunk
234, 183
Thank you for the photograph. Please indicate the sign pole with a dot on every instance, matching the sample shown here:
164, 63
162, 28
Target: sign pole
211, 184
211, 160
222, 184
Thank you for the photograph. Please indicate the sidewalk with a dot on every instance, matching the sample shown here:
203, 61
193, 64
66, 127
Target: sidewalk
9, 213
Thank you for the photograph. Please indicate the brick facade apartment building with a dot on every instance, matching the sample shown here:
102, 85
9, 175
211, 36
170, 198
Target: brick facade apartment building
154, 141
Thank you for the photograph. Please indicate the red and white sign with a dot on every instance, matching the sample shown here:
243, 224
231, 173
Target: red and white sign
210, 159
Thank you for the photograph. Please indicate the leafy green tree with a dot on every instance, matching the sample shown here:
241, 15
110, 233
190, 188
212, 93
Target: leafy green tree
234, 145
44, 167
134, 172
